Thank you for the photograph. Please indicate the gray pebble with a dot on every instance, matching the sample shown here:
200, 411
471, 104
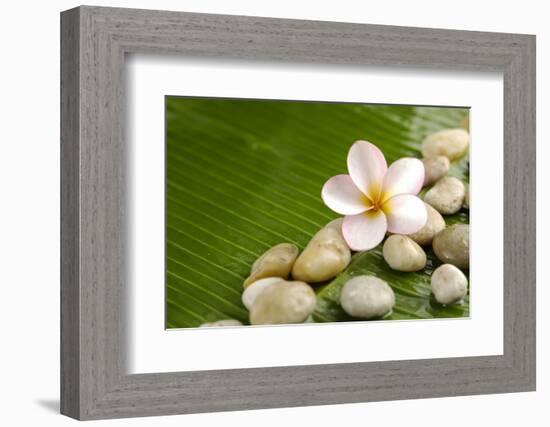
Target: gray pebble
367, 297
452, 245
435, 168
446, 196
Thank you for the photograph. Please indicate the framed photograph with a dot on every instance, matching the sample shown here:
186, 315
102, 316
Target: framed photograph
262, 213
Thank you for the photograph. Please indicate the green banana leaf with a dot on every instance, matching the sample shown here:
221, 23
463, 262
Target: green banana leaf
244, 175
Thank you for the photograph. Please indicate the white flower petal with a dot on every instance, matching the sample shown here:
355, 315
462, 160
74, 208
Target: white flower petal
342, 196
406, 214
404, 176
364, 231
367, 167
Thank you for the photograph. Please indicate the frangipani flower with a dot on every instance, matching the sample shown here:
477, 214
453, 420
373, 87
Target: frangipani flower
375, 198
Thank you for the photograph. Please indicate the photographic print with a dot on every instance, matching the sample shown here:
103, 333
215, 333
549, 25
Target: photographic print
285, 212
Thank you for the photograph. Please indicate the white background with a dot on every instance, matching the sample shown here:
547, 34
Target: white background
29, 225
153, 349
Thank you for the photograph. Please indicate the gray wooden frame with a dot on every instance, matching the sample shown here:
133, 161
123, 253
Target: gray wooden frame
94, 382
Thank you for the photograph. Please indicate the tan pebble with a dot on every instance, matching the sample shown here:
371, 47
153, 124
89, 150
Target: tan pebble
434, 224
335, 224
326, 255
287, 302
449, 284
275, 262
403, 254
451, 143
467, 196
254, 290
465, 123
221, 323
